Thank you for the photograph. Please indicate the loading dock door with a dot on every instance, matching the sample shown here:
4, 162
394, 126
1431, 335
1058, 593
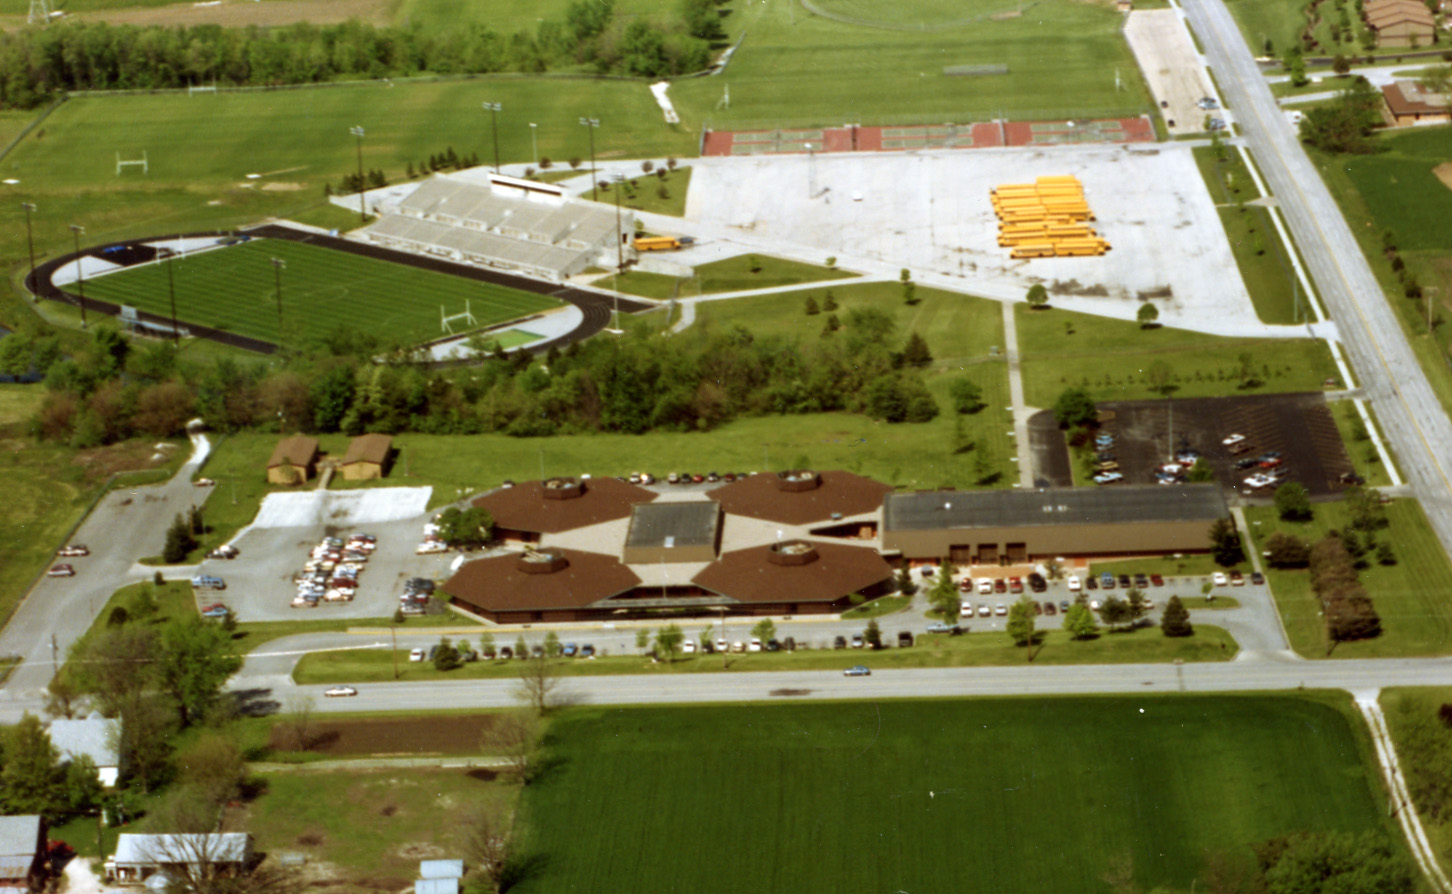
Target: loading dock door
1017, 553
960, 553
987, 553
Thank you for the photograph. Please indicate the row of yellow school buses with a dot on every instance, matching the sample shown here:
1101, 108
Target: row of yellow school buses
1046, 219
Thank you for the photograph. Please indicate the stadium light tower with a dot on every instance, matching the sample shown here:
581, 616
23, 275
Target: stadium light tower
362, 187
277, 265
494, 110
590, 124
533, 142
171, 291
77, 230
29, 208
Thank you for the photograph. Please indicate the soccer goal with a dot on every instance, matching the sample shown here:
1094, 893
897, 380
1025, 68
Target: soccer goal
447, 320
132, 163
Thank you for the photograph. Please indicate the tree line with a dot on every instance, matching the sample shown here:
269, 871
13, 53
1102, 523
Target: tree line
114, 388
39, 63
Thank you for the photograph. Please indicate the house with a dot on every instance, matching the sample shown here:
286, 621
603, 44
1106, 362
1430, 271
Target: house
141, 857
93, 737
1408, 104
367, 457
293, 461
1400, 23
439, 877
22, 854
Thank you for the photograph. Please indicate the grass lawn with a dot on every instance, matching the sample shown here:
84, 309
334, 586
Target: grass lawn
1407, 709
1265, 267
882, 605
1108, 357
729, 275
235, 289
329, 217
1359, 447
1281, 22
1197, 565
932, 650
644, 193
1410, 596
1396, 191
1226, 175
840, 798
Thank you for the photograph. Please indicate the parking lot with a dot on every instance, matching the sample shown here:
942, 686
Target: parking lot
1148, 433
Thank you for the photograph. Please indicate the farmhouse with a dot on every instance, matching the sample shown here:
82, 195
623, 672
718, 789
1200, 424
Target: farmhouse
1400, 23
511, 224
293, 461
139, 857
22, 854
1408, 104
92, 737
989, 527
367, 457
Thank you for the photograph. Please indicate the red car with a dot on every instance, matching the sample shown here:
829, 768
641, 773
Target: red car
1270, 463
343, 583
1015, 585
1157, 580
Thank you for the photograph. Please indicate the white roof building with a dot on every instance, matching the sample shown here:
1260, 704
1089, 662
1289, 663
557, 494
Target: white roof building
92, 737
139, 857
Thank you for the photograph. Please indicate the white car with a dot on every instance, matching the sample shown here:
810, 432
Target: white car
1074, 583
1219, 579
965, 610
985, 586
431, 546
689, 647
340, 692
1259, 480
1232, 440
754, 646
416, 655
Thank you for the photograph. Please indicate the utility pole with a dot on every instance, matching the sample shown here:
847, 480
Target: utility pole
77, 230
619, 245
590, 124
533, 142
277, 265
171, 290
393, 634
362, 186
494, 110
29, 208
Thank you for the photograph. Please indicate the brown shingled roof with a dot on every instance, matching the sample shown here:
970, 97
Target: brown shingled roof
368, 449
760, 496
1404, 98
525, 508
298, 450
499, 584
750, 575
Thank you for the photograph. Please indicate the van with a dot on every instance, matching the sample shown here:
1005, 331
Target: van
416, 655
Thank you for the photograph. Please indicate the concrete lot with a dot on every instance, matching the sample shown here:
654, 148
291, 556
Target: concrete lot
931, 212
1171, 67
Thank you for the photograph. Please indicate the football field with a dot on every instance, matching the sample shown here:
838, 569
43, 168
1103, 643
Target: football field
1011, 796
236, 289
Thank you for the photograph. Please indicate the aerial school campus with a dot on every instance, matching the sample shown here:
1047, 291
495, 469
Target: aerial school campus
942, 445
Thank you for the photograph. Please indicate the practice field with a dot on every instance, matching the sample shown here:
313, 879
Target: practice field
235, 289
1008, 796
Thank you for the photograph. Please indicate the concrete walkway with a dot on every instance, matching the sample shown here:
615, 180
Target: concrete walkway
1020, 411
379, 763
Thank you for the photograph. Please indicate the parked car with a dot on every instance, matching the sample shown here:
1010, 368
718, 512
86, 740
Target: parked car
984, 611
904, 639
1219, 579
1050, 608
340, 692
1001, 610
1259, 480
1091, 582
216, 610
943, 627
965, 610
1074, 584
75, 549
431, 546
207, 582
985, 586
755, 644
965, 585
61, 571
225, 551
1106, 580
1124, 583
722, 645
1037, 583
416, 655
1015, 585
839, 642
1109, 478
1157, 580
1256, 578
1063, 605
1232, 440
857, 641
1000, 585
588, 650
857, 670
1237, 579
570, 650
204, 482
688, 647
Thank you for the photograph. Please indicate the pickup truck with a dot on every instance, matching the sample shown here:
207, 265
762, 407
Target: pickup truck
207, 582
941, 627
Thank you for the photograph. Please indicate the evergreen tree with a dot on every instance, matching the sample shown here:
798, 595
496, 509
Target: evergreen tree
1176, 619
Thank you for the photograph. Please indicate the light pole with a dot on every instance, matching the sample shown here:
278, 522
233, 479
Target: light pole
277, 265
29, 208
590, 124
533, 143
494, 110
619, 236
171, 291
362, 187
811, 172
77, 230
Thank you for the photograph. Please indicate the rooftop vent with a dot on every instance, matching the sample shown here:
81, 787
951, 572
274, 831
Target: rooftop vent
541, 562
798, 480
792, 552
563, 488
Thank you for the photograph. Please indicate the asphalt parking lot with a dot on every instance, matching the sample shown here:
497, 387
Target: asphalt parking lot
1147, 433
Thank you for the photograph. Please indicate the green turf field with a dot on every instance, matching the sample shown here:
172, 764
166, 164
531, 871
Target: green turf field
235, 289
1007, 796
796, 68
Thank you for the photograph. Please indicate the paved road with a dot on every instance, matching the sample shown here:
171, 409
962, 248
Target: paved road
1414, 421
124, 525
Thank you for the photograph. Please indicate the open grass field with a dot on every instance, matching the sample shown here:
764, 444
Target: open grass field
931, 650
1038, 795
1109, 357
1410, 596
728, 275
234, 289
797, 68
1281, 22
1359, 448
1264, 265
1408, 713
645, 195
1226, 175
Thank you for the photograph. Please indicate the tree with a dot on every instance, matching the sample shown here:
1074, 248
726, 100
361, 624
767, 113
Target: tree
1345, 126
1437, 79
1176, 619
668, 639
1021, 625
1343, 862
81, 791
143, 740
1225, 543
915, 353
552, 647
642, 639
1147, 315
1136, 602
179, 542
194, 660
298, 722
812, 309
114, 665
1115, 612
514, 736
466, 528
1287, 551
487, 846
1160, 376
765, 630
944, 598
1341, 65
446, 657
1079, 621
213, 766
873, 634
486, 645
1037, 296
904, 581
1293, 502
61, 695
966, 395
1367, 512
539, 682
32, 777
1074, 407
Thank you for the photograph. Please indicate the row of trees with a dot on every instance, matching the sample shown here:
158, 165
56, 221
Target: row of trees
37, 63
1346, 607
642, 382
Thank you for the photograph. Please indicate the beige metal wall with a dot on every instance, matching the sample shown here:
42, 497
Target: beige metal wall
1060, 540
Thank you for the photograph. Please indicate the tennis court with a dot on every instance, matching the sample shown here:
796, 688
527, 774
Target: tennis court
973, 135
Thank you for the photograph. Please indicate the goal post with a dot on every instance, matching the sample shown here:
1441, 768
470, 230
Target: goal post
132, 163
447, 320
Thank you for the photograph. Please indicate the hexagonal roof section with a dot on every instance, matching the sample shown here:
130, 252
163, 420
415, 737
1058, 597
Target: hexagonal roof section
562, 504
794, 571
537, 580
801, 496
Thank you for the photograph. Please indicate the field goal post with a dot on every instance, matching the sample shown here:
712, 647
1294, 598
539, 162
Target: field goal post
447, 320
132, 162
194, 89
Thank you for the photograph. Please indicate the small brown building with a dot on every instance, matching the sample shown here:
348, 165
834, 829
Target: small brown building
367, 457
22, 854
1401, 23
1408, 104
294, 460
